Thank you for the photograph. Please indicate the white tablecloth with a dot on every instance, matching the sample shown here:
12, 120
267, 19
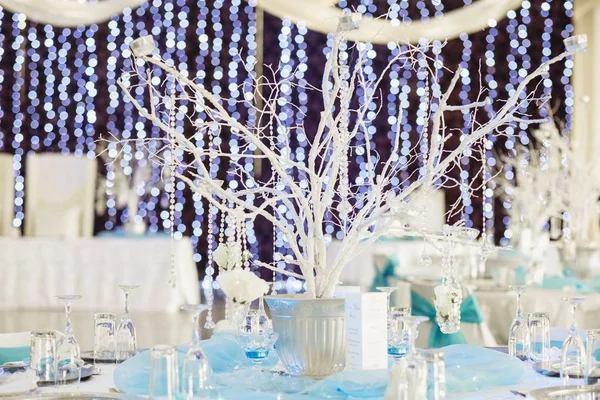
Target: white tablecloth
34, 270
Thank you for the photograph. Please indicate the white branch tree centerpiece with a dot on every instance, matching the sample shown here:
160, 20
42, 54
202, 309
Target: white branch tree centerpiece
320, 186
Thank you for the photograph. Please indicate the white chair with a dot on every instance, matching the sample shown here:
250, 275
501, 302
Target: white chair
7, 194
59, 193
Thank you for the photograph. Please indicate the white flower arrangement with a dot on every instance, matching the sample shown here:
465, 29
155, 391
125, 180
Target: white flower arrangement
230, 256
242, 286
445, 299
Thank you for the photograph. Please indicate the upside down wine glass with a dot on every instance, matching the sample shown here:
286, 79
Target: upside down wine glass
388, 290
518, 334
572, 359
68, 357
413, 368
196, 369
126, 336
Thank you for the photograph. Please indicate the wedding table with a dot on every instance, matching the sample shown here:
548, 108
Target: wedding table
34, 270
498, 309
531, 380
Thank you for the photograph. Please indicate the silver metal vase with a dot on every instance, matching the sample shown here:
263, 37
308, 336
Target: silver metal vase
312, 335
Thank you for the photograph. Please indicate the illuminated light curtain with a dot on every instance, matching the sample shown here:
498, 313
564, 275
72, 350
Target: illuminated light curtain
57, 107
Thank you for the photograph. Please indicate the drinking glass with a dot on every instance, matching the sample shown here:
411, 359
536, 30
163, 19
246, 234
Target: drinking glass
518, 335
43, 349
104, 336
388, 290
592, 368
164, 374
196, 369
413, 368
397, 335
68, 357
126, 337
436, 374
572, 360
539, 333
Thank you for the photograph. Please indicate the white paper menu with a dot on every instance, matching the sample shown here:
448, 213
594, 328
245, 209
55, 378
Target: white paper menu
366, 331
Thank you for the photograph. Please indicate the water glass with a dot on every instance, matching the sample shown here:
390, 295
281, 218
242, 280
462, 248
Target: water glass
592, 368
164, 372
539, 334
397, 334
436, 374
105, 341
43, 352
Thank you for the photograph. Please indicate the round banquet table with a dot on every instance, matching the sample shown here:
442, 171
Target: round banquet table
498, 309
104, 382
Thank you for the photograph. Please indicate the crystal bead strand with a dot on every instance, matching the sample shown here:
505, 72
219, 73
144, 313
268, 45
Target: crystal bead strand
210, 237
172, 275
424, 260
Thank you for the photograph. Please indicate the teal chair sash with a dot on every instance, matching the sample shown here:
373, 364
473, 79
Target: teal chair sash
382, 277
13, 354
469, 312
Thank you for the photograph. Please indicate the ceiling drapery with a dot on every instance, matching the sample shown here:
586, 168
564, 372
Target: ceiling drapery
318, 15
322, 16
69, 13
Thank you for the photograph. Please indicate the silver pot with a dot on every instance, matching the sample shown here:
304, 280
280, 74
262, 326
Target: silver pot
312, 335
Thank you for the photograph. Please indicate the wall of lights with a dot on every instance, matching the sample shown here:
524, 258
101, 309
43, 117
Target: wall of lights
60, 94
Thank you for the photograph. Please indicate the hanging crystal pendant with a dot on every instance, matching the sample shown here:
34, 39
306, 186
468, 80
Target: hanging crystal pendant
447, 302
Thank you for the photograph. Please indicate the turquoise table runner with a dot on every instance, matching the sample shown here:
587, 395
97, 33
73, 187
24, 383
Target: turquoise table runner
469, 312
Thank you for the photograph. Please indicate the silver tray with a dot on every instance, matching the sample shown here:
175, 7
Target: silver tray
564, 393
77, 396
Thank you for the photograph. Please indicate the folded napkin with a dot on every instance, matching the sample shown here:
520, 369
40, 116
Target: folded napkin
17, 383
16, 346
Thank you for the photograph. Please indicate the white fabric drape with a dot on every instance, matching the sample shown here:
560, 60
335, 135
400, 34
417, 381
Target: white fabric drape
69, 13
322, 16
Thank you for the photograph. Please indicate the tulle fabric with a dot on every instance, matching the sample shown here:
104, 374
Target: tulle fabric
468, 369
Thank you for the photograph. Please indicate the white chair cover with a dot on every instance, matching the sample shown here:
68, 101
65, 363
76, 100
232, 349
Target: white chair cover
476, 334
7, 194
59, 192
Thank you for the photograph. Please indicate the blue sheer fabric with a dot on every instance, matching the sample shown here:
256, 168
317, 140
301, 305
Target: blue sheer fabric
468, 368
469, 312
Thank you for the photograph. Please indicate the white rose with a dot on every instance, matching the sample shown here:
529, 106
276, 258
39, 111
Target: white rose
221, 255
242, 286
234, 252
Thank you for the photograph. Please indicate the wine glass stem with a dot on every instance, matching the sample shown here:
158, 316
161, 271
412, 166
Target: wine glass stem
573, 328
388, 303
126, 303
518, 304
68, 329
196, 334
261, 305
410, 333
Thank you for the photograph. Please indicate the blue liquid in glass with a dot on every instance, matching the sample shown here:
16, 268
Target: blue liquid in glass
257, 354
397, 351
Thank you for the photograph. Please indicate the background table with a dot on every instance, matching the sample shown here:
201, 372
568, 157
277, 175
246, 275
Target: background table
34, 270
498, 309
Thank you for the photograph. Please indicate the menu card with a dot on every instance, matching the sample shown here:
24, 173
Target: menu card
366, 331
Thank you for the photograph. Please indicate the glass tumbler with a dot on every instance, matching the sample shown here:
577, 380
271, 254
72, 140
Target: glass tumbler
539, 336
436, 374
592, 368
105, 341
164, 372
43, 353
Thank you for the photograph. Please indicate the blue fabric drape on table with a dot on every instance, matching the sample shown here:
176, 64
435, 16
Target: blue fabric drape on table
382, 277
469, 312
